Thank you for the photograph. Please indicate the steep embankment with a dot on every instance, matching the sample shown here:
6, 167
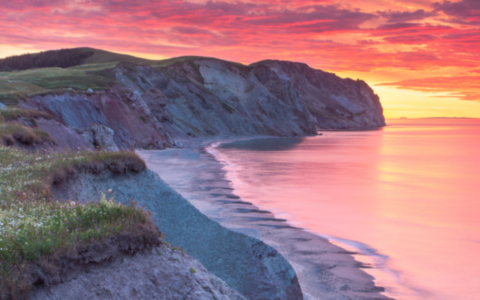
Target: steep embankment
157, 273
155, 104
251, 267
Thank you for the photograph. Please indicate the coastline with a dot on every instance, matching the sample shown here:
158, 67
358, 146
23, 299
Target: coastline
324, 270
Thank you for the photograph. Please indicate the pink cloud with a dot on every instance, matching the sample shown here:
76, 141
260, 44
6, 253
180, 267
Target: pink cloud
353, 35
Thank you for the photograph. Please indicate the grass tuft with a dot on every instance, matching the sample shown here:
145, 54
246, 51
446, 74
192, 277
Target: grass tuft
37, 232
12, 133
14, 114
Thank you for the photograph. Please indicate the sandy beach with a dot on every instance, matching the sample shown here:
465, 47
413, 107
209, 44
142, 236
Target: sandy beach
325, 271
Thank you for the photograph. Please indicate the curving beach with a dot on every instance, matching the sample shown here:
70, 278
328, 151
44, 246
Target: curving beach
325, 271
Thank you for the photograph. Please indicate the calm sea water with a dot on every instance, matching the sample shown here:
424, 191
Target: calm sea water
406, 198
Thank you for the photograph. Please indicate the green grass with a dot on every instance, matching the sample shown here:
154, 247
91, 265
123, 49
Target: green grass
11, 133
93, 74
102, 56
15, 113
33, 227
9, 99
14, 85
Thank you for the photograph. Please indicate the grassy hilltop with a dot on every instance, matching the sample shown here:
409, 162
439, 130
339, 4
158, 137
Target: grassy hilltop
67, 70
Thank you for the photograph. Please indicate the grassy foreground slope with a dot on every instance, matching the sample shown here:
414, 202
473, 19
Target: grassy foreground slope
36, 231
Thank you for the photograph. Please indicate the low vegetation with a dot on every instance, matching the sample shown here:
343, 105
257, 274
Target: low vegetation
73, 70
35, 229
11, 134
60, 58
12, 131
16, 113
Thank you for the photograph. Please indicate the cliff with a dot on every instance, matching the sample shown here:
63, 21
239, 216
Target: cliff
153, 104
248, 265
114, 102
163, 272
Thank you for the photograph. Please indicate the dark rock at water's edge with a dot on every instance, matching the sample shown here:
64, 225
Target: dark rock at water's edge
154, 107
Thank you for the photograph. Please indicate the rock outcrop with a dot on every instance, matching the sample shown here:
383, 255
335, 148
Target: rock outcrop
100, 137
154, 107
248, 265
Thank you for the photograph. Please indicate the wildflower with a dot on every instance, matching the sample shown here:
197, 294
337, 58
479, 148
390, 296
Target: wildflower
109, 191
72, 203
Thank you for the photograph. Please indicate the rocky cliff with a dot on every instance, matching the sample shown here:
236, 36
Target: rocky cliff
154, 106
158, 273
248, 265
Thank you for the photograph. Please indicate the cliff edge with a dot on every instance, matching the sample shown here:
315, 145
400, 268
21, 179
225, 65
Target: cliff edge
156, 104
248, 265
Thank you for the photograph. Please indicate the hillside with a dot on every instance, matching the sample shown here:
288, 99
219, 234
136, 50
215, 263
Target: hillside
154, 104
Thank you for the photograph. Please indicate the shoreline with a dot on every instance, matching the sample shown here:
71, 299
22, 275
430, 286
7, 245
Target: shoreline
324, 270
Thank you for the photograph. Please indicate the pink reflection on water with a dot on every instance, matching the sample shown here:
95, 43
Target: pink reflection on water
410, 191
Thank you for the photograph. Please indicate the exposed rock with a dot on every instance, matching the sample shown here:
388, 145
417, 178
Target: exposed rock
88, 136
65, 137
158, 273
250, 266
103, 138
154, 107
100, 137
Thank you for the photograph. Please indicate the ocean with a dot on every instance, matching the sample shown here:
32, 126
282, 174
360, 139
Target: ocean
405, 198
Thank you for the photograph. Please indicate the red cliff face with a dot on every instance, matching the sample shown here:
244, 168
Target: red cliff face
153, 107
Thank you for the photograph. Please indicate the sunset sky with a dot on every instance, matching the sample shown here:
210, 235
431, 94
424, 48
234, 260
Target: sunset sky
421, 56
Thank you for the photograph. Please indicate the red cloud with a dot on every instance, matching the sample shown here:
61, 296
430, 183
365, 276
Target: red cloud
336, 37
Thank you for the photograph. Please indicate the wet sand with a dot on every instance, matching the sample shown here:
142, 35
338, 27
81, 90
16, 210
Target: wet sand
325, 271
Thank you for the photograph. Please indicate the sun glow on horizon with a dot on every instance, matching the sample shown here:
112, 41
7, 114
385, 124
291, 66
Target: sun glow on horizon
420, 57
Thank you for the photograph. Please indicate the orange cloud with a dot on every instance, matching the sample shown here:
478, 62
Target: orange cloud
462, 87
335, 35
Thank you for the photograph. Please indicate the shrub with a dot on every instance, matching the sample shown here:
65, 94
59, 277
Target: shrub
13, 132
58, 58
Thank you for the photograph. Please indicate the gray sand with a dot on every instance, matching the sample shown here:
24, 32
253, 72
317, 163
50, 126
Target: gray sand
325, 271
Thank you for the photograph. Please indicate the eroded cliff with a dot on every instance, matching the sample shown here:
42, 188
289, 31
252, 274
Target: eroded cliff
247, 264
151, 106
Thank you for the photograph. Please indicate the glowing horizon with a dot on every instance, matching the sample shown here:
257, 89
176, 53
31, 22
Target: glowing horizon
421, 57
